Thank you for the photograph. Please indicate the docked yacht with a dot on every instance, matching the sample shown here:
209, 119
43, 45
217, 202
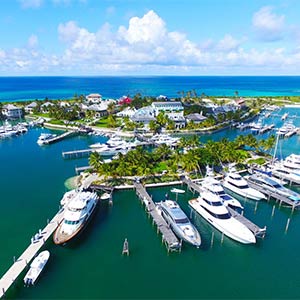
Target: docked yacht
44, 138
213, 185
292, 162
79, 207
36, 268
237, 184
179, 222
273, 186
210, 207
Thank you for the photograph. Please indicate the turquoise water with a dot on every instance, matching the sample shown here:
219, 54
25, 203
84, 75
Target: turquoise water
32, 183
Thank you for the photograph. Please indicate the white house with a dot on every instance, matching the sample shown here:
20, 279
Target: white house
93, 98
45, 107
30, 107
11, 111
127, 112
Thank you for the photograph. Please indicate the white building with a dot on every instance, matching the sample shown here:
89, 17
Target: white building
127, 112
93, 98
11, 111
30, 107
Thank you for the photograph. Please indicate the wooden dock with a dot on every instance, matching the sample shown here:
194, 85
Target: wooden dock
82, 169
60, 137
168, 237
77, 153
257, 231
26, 257
278, 197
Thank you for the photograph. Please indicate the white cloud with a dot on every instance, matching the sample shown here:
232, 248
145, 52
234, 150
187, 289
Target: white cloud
33, 41
144, 46
268, 25
31, 3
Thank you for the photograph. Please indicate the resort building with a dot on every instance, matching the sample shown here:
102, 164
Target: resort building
100, 109
11, 111
93, 98
30, 107
196, 118
45, 107
127, 112
144, 115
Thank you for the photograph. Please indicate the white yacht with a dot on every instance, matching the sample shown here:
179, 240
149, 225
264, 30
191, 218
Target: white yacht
160, 139
285, 115
273, 186
179, 222
292, 162
210, 207
213, 185
237, 184
44, 138
36, 268
78, 211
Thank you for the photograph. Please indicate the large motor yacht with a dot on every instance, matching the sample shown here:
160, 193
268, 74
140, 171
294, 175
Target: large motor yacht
272, 185
211, 208
213, 185
78, 211
237, 184
179, 222
44, 138
292, 162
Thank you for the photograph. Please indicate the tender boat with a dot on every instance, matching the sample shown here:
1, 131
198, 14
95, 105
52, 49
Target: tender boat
44, 138
237, 184
211, 208
36, 268
177, 191
272, 185
78, 211
179, 222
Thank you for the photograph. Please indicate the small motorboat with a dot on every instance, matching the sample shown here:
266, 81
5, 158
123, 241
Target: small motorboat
36, 268
105, 196
177, 191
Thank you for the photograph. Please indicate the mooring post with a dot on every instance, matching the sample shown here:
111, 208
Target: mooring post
14, 258
222, 238
273, 211
255, 209
212, 239
287, 225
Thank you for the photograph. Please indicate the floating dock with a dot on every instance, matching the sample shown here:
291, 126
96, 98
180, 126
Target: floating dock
278, 197
77, 153
257, 231
60, 137
22, 262
168, 237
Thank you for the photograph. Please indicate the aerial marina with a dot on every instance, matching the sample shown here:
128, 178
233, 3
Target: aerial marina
231, 218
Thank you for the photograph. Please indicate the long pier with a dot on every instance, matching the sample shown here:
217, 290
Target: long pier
275, 195
77, 153
59, 137
22, 262
257, 231
168, 236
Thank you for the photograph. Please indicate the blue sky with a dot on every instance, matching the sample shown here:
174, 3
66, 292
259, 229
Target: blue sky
149, 37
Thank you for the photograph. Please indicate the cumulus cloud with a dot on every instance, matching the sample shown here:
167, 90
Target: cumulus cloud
268, 25
31, 3
145, 46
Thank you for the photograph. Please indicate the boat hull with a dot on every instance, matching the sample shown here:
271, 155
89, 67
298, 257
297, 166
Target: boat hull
60, 238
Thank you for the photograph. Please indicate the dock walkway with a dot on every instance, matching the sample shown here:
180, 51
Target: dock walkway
168, 236
257, 231
77, 153
22, 262
275, 195
59, 137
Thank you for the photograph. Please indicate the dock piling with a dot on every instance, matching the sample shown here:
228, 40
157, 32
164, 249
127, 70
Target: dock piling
273, 211
212, 239
287, 225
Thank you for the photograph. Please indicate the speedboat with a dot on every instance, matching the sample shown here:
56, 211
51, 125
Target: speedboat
214, 186
237, 184
44, 138
211, 208
177, 191
273, 186
78, 211
179, 222
36, 268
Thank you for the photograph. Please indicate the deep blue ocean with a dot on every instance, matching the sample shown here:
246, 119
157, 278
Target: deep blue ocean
28, 88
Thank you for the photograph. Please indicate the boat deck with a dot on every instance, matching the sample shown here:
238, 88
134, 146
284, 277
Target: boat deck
21, 263
258, 232
168, 236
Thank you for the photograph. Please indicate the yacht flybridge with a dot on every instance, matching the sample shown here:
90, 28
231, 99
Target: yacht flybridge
79, 206
211, 208
179, 222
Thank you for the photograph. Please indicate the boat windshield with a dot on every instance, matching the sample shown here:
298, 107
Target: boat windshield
71, 222
218, 216
182, 221
213, 203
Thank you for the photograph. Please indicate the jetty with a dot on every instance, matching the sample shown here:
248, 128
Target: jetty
257, 231
275, 195
77, 153
26, 257
59, 137
266, 128
168, 237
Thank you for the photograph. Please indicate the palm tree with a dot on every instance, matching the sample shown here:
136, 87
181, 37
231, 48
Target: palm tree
95, 161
